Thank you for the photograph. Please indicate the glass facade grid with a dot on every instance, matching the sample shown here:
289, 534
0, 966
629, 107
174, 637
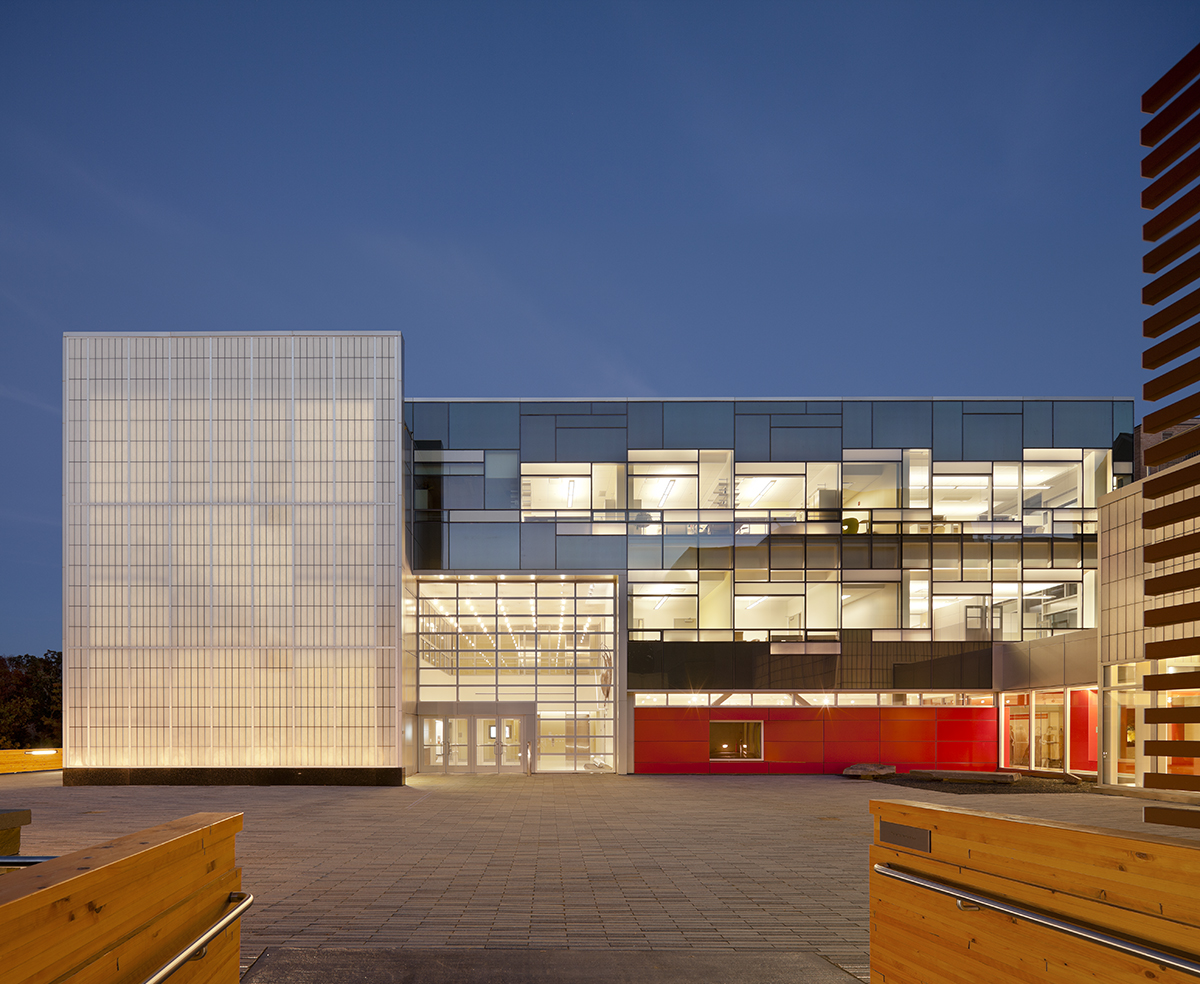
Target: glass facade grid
899, 556
552, 643
231, 568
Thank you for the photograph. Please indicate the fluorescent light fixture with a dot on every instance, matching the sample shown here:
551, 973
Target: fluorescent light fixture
756, 601
570, 493
765, 489
661, 601
666, 492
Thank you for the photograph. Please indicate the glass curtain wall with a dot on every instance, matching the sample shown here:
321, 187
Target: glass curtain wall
1127, 727
910, 550
1050, 730
525, 639
231, 567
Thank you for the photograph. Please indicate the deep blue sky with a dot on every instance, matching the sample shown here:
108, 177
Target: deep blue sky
573, 199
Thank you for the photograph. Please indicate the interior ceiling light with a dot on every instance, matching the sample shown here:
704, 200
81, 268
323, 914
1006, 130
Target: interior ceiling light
666, 492
661, 601
756, 601
765, 489
570, 493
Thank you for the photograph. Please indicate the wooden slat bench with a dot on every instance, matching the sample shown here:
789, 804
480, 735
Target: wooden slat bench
1105, 881
118, 912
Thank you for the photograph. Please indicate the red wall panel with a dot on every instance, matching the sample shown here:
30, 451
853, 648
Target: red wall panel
907, 755
793, 731
795, 768
966, 755
812, 752
793, 713
670, 730
966, 713
737, 768
851, 713
852, 730
670, 768
903, 712
966, 731
840, 754
809, 739
670, 751
895, 728
671, 713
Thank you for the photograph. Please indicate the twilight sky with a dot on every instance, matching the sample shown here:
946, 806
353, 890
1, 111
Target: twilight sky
573, 199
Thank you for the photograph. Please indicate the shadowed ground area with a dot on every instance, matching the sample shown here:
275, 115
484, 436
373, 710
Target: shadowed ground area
701, 864
332, 965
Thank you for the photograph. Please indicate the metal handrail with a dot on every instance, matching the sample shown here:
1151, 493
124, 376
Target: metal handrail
199, 946
23, 860
970, 901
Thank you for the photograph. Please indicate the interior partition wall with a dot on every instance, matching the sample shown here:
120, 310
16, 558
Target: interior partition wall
231, 550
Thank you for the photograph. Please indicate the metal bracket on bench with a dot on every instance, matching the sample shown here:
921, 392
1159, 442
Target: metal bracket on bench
970, 901
23, 860
241, 901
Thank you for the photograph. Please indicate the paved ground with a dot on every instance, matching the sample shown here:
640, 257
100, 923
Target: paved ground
633, 863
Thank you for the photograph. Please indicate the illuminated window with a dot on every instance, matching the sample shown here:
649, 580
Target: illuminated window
734, 740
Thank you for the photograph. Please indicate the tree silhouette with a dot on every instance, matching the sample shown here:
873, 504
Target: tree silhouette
31, 701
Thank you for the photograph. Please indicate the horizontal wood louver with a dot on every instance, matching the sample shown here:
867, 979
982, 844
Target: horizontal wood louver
1172, 499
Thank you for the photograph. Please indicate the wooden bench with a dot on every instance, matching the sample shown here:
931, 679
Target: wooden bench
30, 759
11, 822
119, 912
963, 896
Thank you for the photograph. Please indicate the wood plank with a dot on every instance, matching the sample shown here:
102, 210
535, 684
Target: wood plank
76, 911
148, 946
1179, 211
1170, 583
1171, 116
1175, 816
983, 941
1173, 614
20, 760
95, 912
1171, 149
938, 942
1177, 447
94, 922
1175, 78
1173, 715
1140, 886
1173, 512
1157, 486
1171, 746
1171, 282
58, 874
1148, 873
1171, 182
938, 915
1175, 379
1171, 681
1176, 546
183, 856
1171, 780
1101, 913
1174, 413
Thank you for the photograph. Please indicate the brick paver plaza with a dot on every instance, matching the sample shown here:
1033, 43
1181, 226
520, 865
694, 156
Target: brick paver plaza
612, 862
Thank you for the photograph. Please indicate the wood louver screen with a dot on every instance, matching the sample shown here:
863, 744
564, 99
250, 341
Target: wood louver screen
1172, 500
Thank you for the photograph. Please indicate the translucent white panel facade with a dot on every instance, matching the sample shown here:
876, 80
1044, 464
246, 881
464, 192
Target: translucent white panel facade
231, 550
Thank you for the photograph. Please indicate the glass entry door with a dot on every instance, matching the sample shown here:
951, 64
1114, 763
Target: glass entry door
473, 744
